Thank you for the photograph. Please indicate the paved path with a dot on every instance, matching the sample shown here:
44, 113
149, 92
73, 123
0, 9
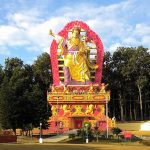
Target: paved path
60, 137
55, 139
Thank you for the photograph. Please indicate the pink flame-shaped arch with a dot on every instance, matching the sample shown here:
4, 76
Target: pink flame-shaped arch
91, 35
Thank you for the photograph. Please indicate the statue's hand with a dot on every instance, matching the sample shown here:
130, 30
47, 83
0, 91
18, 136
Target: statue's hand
96, 66
88, 48
51, 32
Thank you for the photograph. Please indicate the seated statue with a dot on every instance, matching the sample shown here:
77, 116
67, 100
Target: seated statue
89, 109
66, 109
76, 61
103, 88
54, 110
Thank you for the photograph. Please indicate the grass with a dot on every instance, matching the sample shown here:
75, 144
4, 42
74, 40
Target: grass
60, 146
78, 140
28, 143
27, 139
141, 133
146, 142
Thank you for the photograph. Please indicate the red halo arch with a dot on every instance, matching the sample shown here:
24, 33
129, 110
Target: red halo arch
91, 35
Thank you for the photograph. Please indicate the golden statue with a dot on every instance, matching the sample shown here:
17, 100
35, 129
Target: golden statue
103, 88
66, 109
76, 62
54, 110
89, 109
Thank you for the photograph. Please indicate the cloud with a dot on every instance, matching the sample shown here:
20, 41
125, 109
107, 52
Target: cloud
113, 47
130, 41
146, 40
11, 35
29, 31
33, 48
116, 24
38, 33
46, 49
142, 29
140, 35
4, 51
31, 61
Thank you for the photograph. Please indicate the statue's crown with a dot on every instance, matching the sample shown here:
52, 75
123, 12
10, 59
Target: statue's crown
76, 27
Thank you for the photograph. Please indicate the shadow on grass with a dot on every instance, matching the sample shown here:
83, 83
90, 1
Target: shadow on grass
145, 142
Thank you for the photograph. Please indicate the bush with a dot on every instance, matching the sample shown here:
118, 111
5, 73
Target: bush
72, 135
135, 138
86, 126
6, 132
81, 133
116, 131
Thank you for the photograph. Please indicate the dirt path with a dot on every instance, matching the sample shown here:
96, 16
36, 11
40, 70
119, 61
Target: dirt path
60, 146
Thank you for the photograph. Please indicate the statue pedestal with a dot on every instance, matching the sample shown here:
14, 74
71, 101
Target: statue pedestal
73, 105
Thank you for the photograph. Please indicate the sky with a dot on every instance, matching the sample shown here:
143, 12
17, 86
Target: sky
25, 24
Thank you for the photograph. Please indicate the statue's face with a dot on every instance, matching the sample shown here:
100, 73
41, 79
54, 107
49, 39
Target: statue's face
75, 33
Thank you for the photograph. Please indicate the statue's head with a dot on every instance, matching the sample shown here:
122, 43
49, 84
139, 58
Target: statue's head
65, 107
91, 106
76, 31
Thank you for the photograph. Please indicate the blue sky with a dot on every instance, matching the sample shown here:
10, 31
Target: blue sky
24, 24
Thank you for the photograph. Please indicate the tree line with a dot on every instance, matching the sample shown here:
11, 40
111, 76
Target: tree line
127, 71
23, 88
23, 97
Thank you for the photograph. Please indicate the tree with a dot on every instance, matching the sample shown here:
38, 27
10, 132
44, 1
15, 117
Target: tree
42, 71
1, 79
137, 70
42, 80
1, 74
16, 99
119, 61
6, 96
107, 68
23, 99
127, 73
